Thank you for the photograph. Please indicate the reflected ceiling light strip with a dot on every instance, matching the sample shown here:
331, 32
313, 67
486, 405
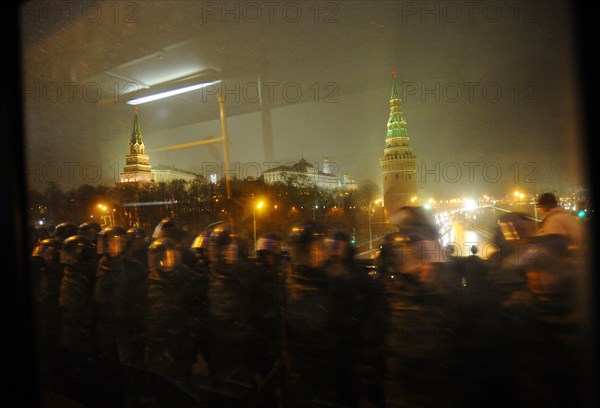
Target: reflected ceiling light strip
172, 92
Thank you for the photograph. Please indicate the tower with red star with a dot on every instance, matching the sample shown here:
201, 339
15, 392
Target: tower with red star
398, 164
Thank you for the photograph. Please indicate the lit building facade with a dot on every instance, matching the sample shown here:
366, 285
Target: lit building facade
303, 173
165, 174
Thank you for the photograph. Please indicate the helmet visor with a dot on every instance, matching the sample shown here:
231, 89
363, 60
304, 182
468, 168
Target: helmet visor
166, 260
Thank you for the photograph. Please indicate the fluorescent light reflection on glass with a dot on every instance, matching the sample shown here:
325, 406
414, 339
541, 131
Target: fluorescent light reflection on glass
173, 92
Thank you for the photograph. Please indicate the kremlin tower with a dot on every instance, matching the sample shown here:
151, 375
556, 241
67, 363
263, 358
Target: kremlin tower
398, 164
137, 168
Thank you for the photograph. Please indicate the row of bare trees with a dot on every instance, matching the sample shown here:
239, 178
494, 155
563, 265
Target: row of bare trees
199, 204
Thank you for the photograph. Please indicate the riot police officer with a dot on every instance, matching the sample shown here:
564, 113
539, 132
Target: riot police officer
119, 296
136, 253
312, 368
37, 234
77, 306
264, 300
201, 269
172, 324
90, 230
417, 342
229, 282
355, 323
47, 273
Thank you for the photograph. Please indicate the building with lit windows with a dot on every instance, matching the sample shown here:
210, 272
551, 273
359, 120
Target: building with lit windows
303, 173
166, 174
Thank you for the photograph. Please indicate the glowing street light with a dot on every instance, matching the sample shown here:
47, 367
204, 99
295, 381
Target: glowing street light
258, 205
107, 213
520, 195
370, 232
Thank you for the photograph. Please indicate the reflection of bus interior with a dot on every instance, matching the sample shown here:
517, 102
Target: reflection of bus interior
268, 116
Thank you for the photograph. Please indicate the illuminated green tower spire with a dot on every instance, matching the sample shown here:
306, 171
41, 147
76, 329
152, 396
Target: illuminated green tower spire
398, 164
396, 126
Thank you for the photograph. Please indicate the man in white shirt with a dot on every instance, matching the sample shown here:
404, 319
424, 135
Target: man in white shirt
557, 223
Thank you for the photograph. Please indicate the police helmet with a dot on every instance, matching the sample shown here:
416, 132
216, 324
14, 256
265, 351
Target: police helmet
204, 239
268, 243
90, 230
224, 233
339, 246
136, 233
74, 249
415, 223
136, 238
170, 228
47, 250
40, 233
268, 249
164, 255
227, 243
65, 230
200, 243
306, 233
307, 244
112, 241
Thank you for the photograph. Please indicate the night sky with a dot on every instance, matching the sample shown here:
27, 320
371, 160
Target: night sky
490, 89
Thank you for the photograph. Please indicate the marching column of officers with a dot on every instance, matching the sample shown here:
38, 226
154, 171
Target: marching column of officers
305, 324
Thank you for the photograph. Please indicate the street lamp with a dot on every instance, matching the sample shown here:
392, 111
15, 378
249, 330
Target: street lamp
258, 205
370, 230
520, 195
109, 216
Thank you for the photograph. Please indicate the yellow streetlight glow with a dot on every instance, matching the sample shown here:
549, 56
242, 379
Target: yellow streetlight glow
104, 209
377, 202
520, 195
258, 205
